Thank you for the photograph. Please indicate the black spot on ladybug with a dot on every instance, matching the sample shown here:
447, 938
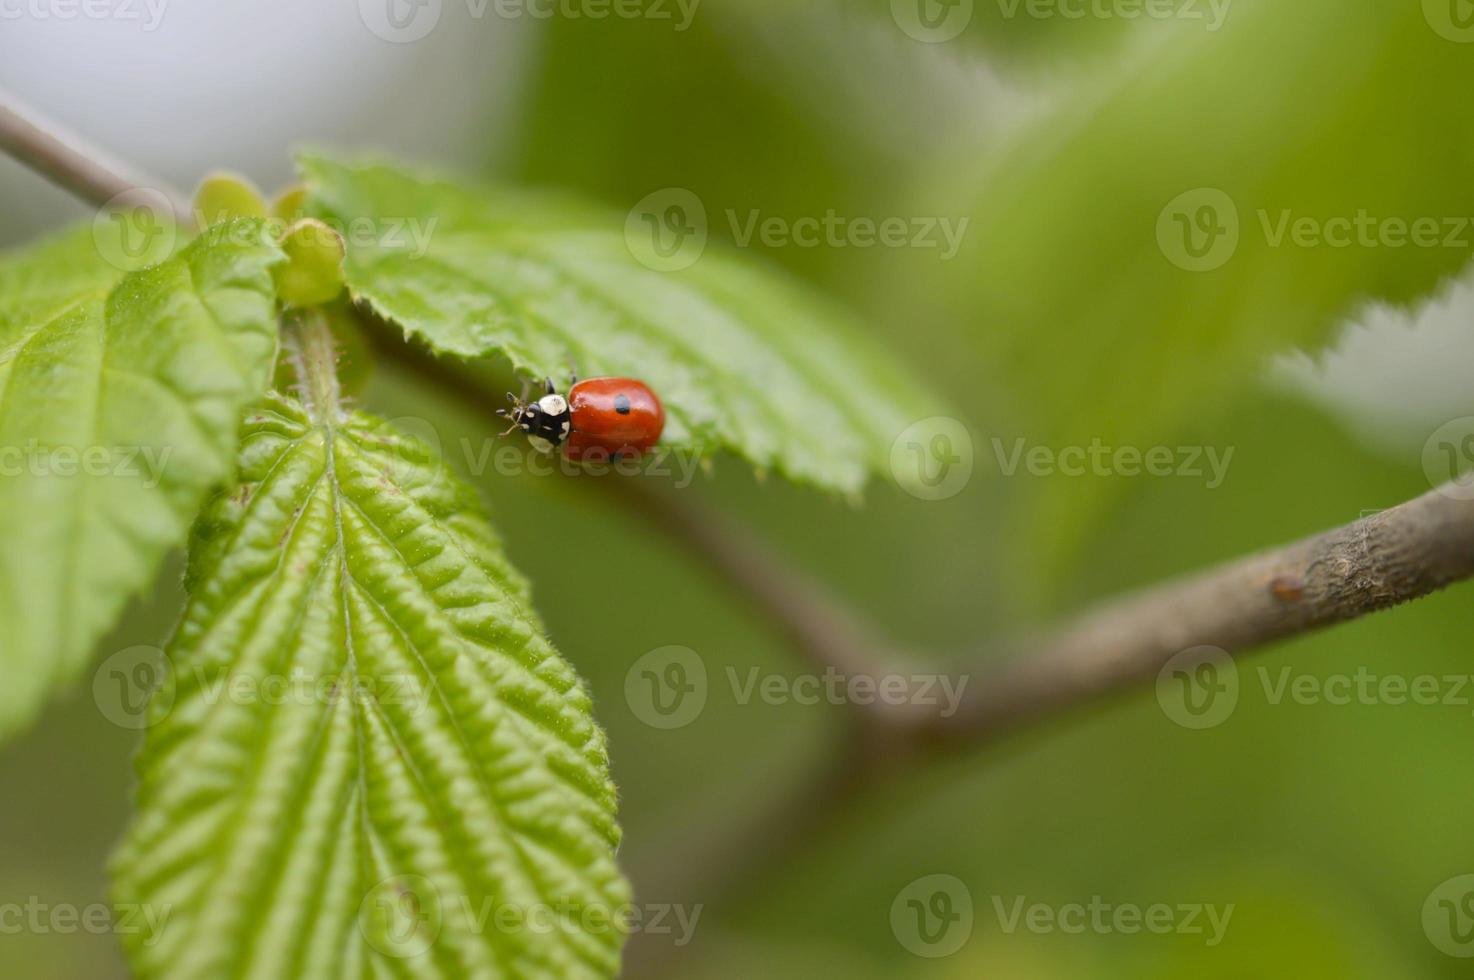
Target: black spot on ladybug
622, 404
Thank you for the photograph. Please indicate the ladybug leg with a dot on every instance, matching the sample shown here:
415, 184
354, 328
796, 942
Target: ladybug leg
548, 384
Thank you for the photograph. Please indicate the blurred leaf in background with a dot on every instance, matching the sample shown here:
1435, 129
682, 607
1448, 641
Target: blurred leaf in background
1213, 197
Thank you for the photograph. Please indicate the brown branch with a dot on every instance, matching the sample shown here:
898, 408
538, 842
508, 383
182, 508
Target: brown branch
823, 631
1372, 564
72, 166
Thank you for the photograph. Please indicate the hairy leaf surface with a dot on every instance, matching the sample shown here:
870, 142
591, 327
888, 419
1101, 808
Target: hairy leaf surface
369, 760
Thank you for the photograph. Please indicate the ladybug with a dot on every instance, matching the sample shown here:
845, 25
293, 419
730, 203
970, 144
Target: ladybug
601, 418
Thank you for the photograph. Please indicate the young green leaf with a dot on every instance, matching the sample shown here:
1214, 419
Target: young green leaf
222, 196
743, 358
425, 794
120, 398
313, 272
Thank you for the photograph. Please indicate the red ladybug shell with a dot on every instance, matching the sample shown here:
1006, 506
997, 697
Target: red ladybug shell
613, 417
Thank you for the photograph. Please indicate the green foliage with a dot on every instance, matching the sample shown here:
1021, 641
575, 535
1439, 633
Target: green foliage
120, 397
1076, 322
743, 358
436, 766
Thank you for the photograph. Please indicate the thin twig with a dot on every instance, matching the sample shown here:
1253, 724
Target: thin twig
75, 167
1372, 564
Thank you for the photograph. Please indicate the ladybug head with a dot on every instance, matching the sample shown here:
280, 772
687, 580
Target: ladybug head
546, 421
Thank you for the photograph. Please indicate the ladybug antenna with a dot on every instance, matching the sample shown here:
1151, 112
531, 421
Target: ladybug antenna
514, 414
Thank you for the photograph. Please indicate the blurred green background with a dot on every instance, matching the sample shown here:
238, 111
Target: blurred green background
1061, 320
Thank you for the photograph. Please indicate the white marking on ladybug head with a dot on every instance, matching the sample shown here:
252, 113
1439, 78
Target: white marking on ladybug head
553, 405
540, 444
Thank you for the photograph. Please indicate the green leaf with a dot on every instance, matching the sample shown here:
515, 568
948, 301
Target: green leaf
120, 399
743, 358
436, 772
1088, 304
